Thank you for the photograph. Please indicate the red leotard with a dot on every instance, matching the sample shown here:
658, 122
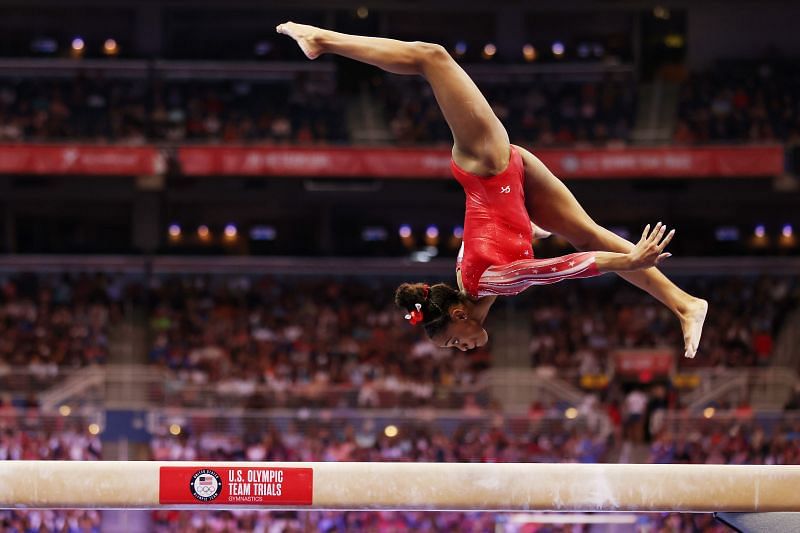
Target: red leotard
497, 252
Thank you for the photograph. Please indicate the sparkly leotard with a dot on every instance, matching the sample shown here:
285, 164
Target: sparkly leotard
497, 256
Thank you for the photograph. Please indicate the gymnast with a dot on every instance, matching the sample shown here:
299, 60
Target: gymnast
506, 187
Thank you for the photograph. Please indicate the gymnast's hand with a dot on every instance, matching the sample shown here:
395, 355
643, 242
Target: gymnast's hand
649, 251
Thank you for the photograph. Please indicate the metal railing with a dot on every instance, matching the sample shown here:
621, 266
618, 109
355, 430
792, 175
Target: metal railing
378, 266
145, 387
685, 424
243, 422
35, 421
761, 387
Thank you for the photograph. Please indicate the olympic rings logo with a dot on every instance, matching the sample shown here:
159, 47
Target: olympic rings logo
205, 485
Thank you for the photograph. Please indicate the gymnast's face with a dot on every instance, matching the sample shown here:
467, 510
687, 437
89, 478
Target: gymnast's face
463, 332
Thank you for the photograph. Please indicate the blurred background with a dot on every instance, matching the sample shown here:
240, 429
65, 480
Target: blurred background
201, 232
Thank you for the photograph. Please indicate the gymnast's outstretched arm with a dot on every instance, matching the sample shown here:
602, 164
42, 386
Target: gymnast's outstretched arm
516, 277
481, 144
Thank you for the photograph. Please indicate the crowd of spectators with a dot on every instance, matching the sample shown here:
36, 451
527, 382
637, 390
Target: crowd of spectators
541, 112
24, 438
245, 333
60, 321
308, 109
396, 521
266, 342
740, 101
304, 110
577, 325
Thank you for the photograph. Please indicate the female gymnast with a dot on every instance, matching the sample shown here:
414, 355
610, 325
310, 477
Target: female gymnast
507, 187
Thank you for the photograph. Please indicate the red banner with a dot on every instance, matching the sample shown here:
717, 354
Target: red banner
744, 161
705, 162
314, 162
224, 485
646, 362
741, 161
81, 159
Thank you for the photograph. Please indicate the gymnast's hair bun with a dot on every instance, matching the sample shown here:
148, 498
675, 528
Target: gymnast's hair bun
409, 294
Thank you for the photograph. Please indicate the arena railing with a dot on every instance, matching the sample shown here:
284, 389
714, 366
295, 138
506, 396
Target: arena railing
758, 387
551, 421
237, 422
33, 68
145, 386
34, 421
689, 425
353, 267
243, 422
253, 70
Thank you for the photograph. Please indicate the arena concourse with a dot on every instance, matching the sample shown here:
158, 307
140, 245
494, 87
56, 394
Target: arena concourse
201, 233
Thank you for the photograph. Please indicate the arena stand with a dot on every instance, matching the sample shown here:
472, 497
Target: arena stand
740, 101
541, 111
91, 107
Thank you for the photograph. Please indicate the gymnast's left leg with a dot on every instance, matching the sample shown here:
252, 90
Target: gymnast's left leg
552, 206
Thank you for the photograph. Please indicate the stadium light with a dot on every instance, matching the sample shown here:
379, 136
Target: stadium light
529, 52
262, 48
661, 12
44, 45
110, 47
558, 49
489, 51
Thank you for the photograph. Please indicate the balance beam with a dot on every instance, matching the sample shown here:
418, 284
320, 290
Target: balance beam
408, 486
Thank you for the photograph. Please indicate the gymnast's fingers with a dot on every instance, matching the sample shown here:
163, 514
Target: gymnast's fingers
645, 233
666, 240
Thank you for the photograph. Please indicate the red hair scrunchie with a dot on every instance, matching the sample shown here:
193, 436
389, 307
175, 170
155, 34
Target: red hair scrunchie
415, 316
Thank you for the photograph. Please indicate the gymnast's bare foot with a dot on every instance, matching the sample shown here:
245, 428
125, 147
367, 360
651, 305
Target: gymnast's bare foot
307, 37
692, 325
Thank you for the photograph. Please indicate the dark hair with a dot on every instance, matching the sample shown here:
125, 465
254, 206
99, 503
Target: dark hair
435, 308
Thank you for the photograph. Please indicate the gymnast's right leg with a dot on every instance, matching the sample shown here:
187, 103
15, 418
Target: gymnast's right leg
481, 144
